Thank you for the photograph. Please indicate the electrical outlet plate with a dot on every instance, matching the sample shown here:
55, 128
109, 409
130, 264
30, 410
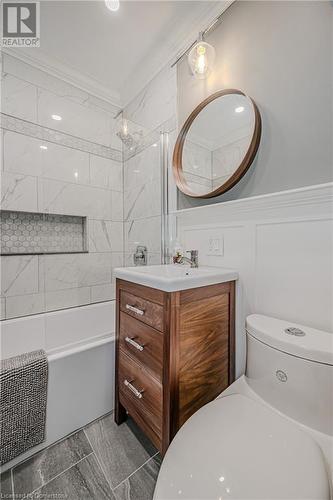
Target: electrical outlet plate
215, 245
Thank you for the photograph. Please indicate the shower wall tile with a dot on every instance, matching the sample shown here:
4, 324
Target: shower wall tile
105, 236
34, 130
117, 204
100, 293
153, 259
2, 308
157, 102
80, 173
22, 154
19, 275
67, 298
106, 173
74, 199
143, 232
117, 261
18, 192
142, 185
24, 305
41, 79
18, 98
80, 270
77, 120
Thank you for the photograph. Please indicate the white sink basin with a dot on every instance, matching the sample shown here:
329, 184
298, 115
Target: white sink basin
174, 277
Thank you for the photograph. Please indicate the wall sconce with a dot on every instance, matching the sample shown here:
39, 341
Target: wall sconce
201, 58
130, 140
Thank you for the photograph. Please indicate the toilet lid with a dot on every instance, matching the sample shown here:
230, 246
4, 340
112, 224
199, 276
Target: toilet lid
236, 448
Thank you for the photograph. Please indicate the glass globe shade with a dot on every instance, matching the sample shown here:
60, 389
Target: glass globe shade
112, 5
201, 59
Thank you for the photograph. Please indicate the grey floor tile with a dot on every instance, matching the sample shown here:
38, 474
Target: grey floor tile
45, 465
85, 480
5, 484
120, 449
141, 485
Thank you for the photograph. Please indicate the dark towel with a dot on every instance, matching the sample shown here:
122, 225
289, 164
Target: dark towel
23, 398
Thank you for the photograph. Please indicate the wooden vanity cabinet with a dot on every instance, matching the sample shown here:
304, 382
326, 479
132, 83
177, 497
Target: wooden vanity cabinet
175, 352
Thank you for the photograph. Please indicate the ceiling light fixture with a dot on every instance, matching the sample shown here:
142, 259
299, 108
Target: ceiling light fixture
44, 148
201, 58
57, 118
240, 109
112, 5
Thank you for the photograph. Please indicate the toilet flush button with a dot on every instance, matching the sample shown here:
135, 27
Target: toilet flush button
297, 332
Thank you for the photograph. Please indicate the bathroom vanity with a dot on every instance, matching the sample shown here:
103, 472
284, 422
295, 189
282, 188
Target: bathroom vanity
175, 344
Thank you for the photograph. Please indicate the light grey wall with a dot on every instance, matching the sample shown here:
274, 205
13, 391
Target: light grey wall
280, 54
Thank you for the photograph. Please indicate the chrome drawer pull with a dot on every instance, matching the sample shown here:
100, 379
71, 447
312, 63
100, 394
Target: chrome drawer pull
137, 346
135, 310
131, 387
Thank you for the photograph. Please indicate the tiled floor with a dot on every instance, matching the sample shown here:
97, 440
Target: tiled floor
101, 461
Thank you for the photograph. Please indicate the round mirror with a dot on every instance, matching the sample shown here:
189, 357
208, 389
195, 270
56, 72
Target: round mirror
217, 144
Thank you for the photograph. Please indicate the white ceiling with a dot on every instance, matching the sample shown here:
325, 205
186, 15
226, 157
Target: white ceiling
116, 53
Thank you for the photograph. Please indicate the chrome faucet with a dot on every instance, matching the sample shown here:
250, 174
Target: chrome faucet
193, 261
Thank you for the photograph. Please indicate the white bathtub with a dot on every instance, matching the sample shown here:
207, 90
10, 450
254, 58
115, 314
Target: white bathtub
79, 343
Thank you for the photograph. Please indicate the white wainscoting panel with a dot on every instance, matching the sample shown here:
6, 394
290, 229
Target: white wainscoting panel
281, 244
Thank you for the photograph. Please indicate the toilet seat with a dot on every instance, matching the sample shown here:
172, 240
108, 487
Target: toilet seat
235, 448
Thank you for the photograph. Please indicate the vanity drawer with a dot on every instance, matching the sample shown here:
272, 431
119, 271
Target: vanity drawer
143, 343
148, 312
140, 393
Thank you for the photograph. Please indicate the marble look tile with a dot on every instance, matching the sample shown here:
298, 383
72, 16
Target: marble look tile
77, 270
85, 480
153, 259
156, 103
74, 199
18, 98
142, 185
145, 232
67, 298
2, 308
105, 236
77, 120
117, 261
106, 173
141, 485
101, 293
45, 465
6, 484
19, 275
22, 154
44, 80
117, 201
120, 449
58, 137
18, 192
24, 305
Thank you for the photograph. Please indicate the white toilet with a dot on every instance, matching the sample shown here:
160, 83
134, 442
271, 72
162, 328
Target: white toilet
270, 434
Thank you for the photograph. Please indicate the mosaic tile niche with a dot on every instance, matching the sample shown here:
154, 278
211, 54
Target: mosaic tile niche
25, 233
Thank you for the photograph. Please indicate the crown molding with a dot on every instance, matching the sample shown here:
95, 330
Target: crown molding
163, 56
67, 74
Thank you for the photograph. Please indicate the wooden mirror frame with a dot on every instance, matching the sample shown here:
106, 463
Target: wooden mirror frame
245, 163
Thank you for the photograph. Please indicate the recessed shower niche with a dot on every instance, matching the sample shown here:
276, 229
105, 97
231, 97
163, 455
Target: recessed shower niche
26, 233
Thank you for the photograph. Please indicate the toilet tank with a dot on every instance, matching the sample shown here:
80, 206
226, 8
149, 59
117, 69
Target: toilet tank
291, 367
